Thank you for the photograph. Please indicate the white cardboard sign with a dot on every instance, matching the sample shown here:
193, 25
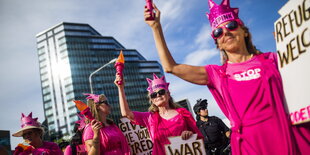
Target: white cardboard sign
137, 136
292, 34
191, 146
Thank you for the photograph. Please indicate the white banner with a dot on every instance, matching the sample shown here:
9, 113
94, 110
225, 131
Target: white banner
185, 147
138, 137
292, 33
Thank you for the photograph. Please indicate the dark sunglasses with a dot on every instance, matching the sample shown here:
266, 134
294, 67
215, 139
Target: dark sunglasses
160, 92
103, 102
231, 26
27, 134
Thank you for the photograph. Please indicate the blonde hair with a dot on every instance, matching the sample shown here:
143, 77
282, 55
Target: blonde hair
93, 109
154, 108
248, 42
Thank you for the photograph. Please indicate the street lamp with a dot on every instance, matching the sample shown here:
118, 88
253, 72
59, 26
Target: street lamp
90, 82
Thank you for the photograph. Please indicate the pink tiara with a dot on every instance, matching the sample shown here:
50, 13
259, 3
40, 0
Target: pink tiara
29, 121
94, 97
221, 13
157, 83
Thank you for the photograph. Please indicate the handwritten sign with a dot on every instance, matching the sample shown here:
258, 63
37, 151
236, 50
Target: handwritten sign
292, 33
191, 146
138, 137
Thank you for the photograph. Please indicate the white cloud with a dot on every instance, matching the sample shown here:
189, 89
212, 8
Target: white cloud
200, 57
203, 53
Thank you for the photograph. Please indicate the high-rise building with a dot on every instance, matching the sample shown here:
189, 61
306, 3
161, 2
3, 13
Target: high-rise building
68, 53
185, 104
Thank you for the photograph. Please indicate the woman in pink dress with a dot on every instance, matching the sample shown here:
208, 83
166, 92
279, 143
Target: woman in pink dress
101, 135
164, 119
33, 144
247, 87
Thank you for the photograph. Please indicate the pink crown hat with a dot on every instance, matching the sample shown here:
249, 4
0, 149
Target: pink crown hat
27, 122
221, 13
94, 97
157, 83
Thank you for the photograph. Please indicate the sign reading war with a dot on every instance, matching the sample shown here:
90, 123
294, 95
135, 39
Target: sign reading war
191, 146
292, 34
137, 136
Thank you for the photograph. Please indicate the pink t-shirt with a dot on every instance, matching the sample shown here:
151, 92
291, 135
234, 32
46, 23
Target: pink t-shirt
112, 141
165, 128
80, 150
48, 148
251, 95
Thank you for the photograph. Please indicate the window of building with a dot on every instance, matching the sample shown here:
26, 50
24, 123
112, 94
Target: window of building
61, 121
41, 57
47, 105
59, 28
70, 96
69, 88
45, 83
51, 126
46, 97
41, 37
49, 112
72, 111
73, 119
50, 119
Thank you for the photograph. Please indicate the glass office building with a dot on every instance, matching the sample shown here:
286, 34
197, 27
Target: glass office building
68, 53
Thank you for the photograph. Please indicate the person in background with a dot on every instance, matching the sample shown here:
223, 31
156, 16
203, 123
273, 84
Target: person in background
76, 146
101, 135
63, 145
32, 133
164, 119
247, 87
216, 133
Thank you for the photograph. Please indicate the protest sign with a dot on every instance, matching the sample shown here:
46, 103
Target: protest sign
137, 136
191, 146
292, 34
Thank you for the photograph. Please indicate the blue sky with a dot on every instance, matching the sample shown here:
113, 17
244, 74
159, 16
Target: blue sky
185, 25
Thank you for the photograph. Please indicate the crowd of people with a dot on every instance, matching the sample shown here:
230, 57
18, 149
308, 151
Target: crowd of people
259, 121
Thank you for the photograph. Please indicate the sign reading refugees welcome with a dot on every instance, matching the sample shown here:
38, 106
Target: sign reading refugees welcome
292, 33
137, 136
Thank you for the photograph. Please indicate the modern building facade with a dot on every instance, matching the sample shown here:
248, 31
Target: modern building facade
185, 104
68, 53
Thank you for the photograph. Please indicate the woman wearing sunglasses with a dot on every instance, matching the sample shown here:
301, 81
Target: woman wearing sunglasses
164, 119
247, 87
101, 135
32, 133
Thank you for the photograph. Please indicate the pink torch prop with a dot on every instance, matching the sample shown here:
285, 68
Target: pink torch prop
119, 66
85, 110
149, 5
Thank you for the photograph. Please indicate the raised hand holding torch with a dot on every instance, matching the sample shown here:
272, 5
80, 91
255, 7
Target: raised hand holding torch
119, 66
149, 6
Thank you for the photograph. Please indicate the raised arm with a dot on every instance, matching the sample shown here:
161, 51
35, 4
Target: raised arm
193, 74
126, 112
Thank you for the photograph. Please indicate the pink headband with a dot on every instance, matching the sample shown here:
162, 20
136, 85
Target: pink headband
221, 13
157, 83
